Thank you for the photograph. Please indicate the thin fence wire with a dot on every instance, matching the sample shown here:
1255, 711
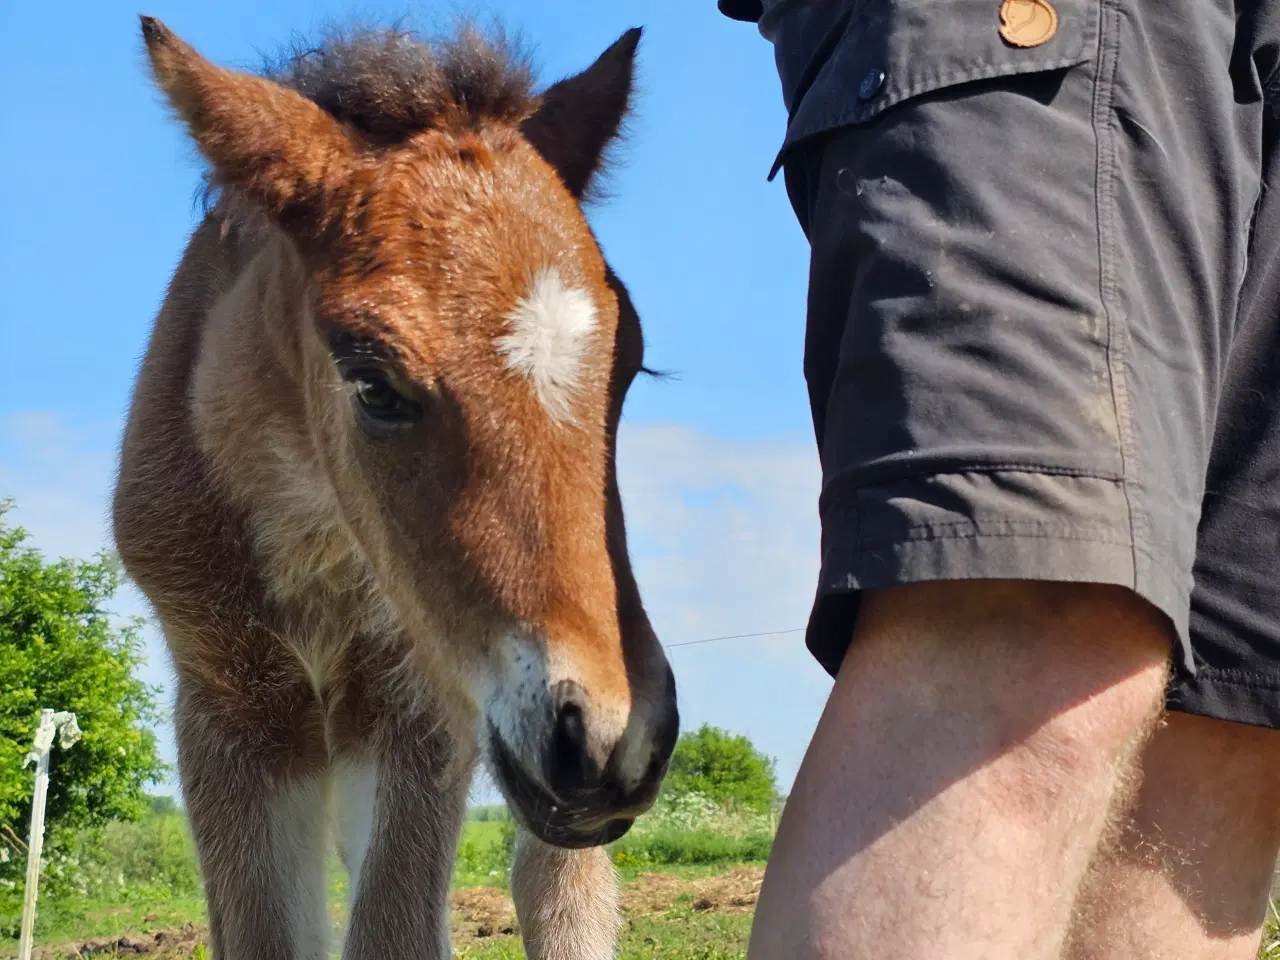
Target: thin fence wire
734, 636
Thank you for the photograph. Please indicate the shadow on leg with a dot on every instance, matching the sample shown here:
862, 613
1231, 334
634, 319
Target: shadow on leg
1190, 872
566, 901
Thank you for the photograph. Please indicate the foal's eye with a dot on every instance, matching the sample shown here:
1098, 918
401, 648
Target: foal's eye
376, 395
379, 402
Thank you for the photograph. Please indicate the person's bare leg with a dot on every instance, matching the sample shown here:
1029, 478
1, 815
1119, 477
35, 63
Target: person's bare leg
1190, 876
976, 740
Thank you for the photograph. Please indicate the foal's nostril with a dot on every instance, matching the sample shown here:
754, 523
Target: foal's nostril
570, 766
573, 729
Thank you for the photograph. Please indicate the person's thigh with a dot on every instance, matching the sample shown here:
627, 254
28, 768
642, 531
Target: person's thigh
1024, 280
966, 764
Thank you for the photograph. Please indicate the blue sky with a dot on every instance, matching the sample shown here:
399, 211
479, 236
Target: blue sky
717, 465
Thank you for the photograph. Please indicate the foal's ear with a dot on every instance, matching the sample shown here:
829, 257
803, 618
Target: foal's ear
281, 150
579, 117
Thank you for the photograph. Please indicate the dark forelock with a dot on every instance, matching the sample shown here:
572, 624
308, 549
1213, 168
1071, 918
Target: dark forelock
391, 83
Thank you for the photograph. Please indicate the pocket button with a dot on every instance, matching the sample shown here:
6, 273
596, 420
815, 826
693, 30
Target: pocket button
1028, 23
871, 84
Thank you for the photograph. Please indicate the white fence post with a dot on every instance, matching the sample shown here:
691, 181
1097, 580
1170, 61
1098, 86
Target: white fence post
50, 723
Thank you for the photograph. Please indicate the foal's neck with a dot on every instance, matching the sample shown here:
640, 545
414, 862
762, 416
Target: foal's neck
250, 408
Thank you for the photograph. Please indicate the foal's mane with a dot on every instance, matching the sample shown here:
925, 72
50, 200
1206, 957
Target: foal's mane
390, 83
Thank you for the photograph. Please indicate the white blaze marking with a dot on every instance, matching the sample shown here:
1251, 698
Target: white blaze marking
548, 335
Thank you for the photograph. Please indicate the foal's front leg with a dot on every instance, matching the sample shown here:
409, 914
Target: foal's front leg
566, 901
402, 806
256, 805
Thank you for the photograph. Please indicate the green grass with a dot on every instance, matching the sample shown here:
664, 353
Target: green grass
686, 872
1270, 946
87, 920
113, 879
142, 877
484, 854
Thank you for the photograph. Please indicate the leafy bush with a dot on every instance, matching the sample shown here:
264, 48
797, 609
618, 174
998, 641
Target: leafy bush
684, 847
692, 812
60, 649
490, 813
507, 838
162, 805
691, 829
127, 862
144, 863
723, 768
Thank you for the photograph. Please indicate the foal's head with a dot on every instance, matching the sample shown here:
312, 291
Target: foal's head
465, 352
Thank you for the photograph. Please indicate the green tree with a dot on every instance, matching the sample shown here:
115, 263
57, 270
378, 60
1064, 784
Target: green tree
722, 767
59, 648
163, 806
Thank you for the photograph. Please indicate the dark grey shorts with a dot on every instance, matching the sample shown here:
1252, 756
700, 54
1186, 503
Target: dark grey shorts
1044, 308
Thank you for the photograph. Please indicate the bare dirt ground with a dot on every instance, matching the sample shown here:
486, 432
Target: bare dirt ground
732, 892
177, 942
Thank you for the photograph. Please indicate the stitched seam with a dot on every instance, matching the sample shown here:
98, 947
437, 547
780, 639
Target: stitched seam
984, 70
1237, 678
838, 488
858, 542
1017, 466
953, 469
860, 547
995, 526
939, 531
1104, 191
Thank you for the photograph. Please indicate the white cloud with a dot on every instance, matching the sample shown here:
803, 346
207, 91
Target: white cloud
724, 537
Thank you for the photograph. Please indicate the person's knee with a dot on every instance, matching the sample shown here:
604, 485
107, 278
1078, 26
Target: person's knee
1070, 675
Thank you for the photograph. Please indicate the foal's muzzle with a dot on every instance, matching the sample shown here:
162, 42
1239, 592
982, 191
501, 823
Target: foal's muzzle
575, 802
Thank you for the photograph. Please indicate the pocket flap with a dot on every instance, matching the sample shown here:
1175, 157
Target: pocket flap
846, 64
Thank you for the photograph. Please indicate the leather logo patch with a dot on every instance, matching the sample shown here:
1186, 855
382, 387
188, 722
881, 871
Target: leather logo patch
1027, 23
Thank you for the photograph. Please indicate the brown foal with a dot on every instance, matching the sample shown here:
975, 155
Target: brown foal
368, 486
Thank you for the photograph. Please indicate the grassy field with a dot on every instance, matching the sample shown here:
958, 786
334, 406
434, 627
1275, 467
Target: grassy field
690, 878
690, 881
